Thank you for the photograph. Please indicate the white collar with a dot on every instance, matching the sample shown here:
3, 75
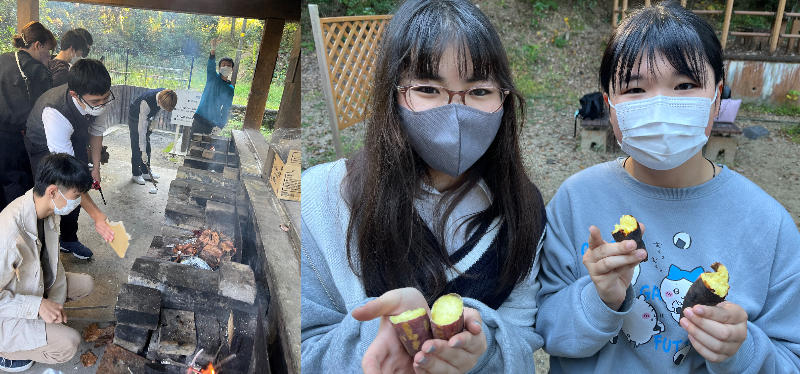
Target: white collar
78, 105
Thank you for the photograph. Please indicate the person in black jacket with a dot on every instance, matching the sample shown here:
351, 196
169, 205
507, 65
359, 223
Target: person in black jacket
24, 76
73, 48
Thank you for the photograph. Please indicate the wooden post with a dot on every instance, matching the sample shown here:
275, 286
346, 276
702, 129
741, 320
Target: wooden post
776, 28
289, 112
795, 30
614, 14
726, 25
624, 11
27, 10
319, 44
265, 67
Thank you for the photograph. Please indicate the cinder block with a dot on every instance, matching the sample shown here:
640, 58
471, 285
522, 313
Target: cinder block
177, 334
138, 306
237, 282
131, 338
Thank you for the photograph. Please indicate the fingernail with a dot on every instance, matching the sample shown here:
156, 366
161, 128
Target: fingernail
457, 344
423, 360
476, 323
688, 312
699, 309
630, 244
641, 253
430, 349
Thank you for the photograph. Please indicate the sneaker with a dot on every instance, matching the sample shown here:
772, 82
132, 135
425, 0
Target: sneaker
77, 249
151, 176
138, 179
14, 366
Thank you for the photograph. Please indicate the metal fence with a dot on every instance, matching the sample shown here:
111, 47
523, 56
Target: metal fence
144, 69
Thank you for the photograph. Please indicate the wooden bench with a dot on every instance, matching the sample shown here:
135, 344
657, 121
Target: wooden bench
595, 133
723, 142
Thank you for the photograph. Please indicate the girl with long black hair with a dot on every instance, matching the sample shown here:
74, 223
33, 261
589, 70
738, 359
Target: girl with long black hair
437, 201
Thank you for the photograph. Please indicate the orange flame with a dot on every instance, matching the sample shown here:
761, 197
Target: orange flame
209, 369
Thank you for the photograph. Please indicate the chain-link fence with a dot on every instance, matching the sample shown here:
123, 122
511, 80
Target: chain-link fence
130, 67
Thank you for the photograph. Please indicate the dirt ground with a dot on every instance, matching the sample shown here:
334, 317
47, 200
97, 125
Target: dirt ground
142, 214
553, 79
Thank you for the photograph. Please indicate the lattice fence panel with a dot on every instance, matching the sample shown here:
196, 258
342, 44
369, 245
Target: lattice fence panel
351, 49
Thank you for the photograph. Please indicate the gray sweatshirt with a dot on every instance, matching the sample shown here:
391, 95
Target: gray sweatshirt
333, 341
728, 219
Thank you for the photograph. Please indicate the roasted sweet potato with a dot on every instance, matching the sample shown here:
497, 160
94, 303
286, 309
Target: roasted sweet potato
710, 288
413, 328
447, 316
629, 229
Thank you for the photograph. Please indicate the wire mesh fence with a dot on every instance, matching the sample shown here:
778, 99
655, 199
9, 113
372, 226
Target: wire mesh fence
134, 68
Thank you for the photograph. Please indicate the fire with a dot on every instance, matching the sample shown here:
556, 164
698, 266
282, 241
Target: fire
209, 369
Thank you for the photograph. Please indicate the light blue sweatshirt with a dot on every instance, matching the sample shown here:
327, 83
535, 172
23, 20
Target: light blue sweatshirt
333, 341
728, 219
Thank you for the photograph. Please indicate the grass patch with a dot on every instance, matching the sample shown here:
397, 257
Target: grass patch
777, 110
237, 125
560, 42
793, 132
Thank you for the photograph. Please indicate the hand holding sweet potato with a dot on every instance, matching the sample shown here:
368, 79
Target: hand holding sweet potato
610, 265
459, 354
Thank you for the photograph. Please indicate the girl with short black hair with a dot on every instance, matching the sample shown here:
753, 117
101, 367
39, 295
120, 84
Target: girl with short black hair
607, 306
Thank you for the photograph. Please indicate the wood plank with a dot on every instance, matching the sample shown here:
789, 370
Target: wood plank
327, 87
289, 112
260, 9
265, 68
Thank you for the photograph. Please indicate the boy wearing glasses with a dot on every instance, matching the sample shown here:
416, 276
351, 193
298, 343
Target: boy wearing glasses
63, 121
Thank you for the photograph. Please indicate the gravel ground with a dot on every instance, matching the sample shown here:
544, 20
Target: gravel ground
551, 154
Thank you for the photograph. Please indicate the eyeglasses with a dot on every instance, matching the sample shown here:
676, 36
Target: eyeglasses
424, 97
96, 107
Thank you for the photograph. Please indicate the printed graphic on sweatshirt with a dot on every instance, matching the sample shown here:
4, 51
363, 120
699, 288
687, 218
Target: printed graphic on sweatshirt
682, 240
674, 287
641, 323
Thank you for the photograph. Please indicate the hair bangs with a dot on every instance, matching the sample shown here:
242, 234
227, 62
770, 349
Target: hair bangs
435, 34
684, 40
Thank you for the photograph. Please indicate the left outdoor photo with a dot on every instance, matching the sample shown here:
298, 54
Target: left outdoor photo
150, 158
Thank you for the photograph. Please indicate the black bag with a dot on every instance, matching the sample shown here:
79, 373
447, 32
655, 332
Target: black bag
591, 108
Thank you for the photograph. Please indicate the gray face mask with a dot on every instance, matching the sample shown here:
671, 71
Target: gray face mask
451, 138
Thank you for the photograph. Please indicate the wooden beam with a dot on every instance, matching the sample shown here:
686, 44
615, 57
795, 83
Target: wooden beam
27, 10
265, 67
726, 25
776, 28
614, 14
289, 112
260, 9
327, 87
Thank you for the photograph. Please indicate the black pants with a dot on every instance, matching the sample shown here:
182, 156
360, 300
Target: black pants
137, 166
201, 125
16, 176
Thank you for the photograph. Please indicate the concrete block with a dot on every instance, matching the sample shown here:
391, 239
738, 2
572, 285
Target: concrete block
237, 282
131, 338
177, 335
138, 306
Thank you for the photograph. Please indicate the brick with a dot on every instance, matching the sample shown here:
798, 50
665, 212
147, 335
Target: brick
138, 306
221, 217
203, 164
177, 334
237, 282
118, 360
131, 338
182, 211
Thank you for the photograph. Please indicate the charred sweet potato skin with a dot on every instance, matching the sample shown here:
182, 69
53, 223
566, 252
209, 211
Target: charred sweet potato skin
635, 235
700, 294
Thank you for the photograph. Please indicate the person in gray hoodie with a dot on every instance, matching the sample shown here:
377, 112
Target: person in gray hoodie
607, 307
438, 201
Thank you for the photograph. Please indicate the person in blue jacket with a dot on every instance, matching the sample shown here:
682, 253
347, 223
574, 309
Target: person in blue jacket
215, 104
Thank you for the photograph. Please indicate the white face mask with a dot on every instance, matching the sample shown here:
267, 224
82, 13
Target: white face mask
663, 132
96, 111
67, 209
226, 71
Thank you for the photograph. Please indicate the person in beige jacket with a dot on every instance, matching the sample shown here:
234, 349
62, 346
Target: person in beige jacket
33, 283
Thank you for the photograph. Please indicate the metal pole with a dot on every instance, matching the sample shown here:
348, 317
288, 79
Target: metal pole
191, 70
127, 72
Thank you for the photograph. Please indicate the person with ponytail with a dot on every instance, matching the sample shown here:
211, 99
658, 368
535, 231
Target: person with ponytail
24, 76
436, 202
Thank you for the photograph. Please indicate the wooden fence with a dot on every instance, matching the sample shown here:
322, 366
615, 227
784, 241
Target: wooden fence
774, 36
118, 110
